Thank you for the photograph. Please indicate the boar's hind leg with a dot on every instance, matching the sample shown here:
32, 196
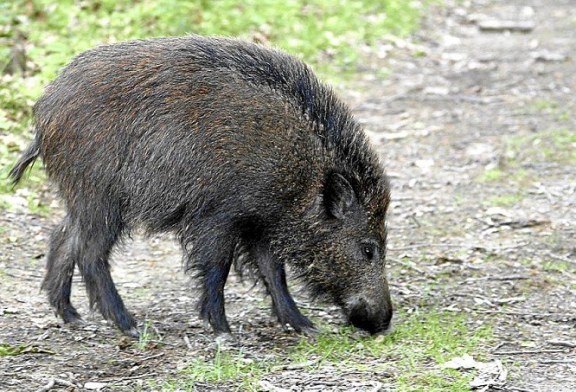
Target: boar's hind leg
97, 239
60, 268
284, 307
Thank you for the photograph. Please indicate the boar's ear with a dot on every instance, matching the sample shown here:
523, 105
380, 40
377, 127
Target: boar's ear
338, 195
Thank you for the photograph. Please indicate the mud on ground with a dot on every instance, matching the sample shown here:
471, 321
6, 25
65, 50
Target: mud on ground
475, 124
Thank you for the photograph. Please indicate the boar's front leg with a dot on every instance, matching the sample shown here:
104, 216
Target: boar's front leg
212, 301
274, 276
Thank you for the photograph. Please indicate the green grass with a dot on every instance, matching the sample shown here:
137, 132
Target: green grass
510, 172
223, 367
433, 339
552, 145
8, 350
556, 144
412, 353
557, 266
323, 32
148, 338
545, 105
522, 152
491, 175
552, 108
505, 200
315, 30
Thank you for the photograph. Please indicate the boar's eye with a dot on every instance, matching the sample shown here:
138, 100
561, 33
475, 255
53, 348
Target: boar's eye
369, 250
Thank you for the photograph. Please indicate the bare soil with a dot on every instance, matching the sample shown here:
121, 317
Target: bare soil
471, 123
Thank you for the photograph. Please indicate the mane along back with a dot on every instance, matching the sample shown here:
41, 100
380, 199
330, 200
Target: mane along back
329, 117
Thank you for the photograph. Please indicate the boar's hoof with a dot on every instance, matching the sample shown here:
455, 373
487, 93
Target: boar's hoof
307, 330
225, 338
70, 316
132, 332
310, 332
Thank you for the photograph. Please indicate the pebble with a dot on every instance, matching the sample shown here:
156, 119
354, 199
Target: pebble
94, 385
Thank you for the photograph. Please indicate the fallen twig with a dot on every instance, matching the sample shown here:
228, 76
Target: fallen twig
415, 220
529, 352
119, 379
495, 25
48, 386
152, 357
526, 314
295, 366
509, 277
160, 337
499, 278
417, 246
510, 388
466, 246
562, 343
409, 265
561, 258
510, 300
56, 381
187, 341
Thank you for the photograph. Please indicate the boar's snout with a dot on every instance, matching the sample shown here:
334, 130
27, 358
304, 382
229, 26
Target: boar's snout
366, 315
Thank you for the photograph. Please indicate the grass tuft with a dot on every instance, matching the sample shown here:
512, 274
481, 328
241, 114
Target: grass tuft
8, 350
148, 338
223, 367
505, 200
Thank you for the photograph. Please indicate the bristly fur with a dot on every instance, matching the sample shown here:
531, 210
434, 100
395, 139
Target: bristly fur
236, 148
28, 157
329, 117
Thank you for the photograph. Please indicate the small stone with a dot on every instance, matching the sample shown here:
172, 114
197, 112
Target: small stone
94, 385
494, 25
436, 90
547, 56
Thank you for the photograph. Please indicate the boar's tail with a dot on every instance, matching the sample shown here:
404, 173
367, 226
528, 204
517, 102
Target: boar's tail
28, 157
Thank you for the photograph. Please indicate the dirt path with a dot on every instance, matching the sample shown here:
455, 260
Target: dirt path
481, 144
476, 127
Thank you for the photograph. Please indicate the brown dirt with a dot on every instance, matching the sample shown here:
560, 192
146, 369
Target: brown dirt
461, 103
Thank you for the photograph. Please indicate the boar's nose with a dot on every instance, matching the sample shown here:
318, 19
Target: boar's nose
373, 319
